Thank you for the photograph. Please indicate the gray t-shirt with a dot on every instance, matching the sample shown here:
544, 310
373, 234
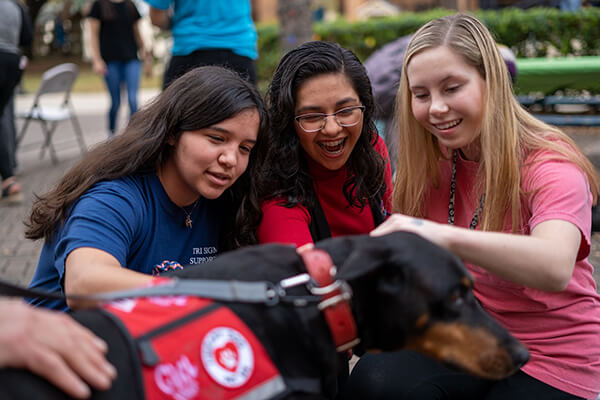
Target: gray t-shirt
11, 20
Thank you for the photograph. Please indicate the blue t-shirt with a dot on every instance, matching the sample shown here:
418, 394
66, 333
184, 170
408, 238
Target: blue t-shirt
211, 24
133, 219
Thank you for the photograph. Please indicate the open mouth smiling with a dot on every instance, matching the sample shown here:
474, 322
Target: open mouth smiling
333, 147
447, 125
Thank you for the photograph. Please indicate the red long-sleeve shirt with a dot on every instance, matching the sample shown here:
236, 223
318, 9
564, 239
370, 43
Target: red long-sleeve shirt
291, 225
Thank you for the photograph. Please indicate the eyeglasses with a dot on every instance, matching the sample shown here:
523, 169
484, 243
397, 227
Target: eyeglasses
314, 122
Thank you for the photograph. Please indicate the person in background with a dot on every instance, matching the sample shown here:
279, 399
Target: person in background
165, 193
8, 127
207, 32
508, 194
54, 346
15, 32
115, 42
569, 5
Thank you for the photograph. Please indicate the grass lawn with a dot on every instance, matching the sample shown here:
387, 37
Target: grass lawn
87, 81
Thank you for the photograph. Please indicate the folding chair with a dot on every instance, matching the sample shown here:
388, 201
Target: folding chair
56, 80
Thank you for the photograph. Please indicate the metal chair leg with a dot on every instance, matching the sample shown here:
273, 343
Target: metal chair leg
22, 132
48, 132
78, 133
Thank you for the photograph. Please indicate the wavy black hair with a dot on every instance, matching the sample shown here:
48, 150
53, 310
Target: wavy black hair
285, 170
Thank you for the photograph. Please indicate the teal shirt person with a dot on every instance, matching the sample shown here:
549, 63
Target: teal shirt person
209, 24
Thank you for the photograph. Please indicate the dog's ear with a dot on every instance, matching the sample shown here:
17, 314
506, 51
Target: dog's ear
363, 254
364, 259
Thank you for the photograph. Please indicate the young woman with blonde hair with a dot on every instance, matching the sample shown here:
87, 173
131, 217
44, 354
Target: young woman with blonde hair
512, 197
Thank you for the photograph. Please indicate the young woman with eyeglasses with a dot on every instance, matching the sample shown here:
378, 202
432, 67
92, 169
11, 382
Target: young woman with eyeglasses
326, 172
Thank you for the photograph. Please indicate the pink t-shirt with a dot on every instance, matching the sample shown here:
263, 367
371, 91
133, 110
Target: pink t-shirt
561, 330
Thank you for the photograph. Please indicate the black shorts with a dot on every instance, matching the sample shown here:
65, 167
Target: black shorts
179, 65
413, 376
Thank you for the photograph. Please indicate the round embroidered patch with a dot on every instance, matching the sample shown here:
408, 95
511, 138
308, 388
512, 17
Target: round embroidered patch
227, 357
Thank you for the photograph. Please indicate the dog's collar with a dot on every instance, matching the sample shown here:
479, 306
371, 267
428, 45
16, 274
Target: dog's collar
336, 296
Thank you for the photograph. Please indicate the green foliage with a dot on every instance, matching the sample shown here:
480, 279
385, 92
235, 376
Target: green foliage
269, 53
540, 32
535, 32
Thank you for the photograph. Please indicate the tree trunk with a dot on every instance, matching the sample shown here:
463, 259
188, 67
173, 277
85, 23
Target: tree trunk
295, 22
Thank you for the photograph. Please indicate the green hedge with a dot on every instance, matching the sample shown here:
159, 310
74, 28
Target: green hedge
535, 32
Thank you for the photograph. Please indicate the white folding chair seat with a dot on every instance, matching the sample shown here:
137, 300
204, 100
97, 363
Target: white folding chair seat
57, 80
50, 114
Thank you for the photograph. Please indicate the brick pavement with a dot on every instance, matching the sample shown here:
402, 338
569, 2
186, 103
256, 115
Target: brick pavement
18, 257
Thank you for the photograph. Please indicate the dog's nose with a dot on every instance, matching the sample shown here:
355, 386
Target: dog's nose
520, 354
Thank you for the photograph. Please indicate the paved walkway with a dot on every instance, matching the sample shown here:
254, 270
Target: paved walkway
18, 257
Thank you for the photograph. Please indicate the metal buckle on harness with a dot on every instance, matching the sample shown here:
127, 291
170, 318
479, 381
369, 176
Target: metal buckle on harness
273, 294
345, 292
344, 295
305, 279
295, 280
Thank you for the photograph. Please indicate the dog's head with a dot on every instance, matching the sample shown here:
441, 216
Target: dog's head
410, 293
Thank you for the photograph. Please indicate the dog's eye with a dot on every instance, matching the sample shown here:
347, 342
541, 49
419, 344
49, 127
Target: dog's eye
456, 300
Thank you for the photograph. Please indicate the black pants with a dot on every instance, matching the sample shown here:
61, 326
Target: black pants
10, 75
412, 376
9, 130
179, 65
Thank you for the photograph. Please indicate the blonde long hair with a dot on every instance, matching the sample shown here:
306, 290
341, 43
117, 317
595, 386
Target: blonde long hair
508, 132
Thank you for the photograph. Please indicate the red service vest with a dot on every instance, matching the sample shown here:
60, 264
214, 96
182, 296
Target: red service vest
195, 349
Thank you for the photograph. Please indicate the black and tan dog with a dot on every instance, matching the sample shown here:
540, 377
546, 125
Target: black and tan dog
406, 293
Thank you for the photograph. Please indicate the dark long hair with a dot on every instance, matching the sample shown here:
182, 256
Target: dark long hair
285, 171
202, 97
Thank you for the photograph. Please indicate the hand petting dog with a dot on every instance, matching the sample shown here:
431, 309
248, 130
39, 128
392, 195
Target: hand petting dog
54, 346
424, 228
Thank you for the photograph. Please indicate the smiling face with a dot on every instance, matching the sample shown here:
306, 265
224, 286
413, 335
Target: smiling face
328, 93
447, 98
207, 161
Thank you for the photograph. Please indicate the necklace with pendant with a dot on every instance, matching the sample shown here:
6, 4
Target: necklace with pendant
188, 215
475, 219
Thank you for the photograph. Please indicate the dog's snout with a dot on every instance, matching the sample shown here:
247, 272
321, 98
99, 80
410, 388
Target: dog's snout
519, 354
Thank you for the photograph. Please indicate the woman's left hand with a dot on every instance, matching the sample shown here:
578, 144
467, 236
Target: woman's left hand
429, 230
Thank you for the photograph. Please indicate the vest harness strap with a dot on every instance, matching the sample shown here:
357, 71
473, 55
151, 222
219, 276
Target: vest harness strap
336, 298
319, 227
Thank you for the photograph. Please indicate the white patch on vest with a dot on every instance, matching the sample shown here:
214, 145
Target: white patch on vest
168, 301
125, 305
227, 357
177, 380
